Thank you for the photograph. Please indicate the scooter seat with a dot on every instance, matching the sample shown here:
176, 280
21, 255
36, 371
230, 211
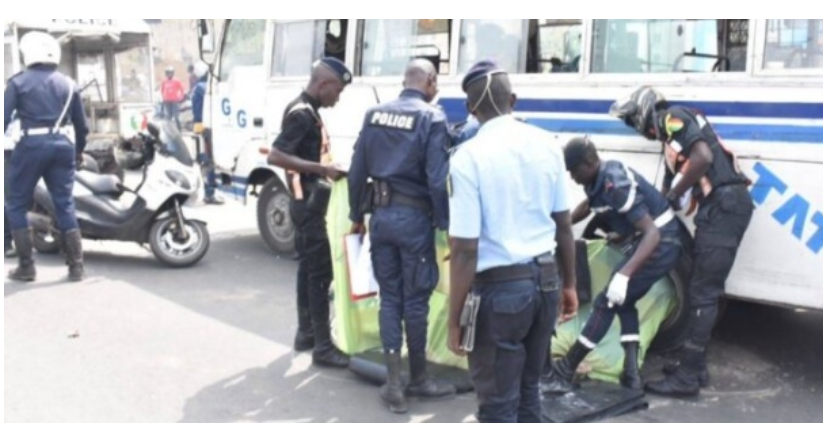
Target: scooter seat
100, 184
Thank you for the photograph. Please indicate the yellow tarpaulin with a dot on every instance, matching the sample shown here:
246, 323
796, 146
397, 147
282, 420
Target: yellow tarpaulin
356, 322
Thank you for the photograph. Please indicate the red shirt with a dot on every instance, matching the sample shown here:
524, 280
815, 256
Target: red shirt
172, 91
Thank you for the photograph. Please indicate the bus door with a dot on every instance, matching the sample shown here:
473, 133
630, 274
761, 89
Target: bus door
238, 98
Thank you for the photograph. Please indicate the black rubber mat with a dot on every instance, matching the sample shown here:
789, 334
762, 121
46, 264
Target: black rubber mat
593, 401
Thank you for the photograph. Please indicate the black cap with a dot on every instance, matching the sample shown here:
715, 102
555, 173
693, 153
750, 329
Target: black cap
480, 70
339, 68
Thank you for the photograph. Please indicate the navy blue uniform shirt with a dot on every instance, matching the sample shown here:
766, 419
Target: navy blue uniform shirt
404, 143
301, 133
625, 197
38, 95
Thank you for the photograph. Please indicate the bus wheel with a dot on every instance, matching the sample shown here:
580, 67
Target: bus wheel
273, 217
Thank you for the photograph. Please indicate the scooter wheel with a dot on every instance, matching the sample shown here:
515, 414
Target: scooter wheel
45, 242
174, 251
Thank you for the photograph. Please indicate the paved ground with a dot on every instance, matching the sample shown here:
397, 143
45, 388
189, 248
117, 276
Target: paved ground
138, 342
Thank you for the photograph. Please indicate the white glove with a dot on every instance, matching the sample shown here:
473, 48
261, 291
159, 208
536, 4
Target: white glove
686, 199
617, 290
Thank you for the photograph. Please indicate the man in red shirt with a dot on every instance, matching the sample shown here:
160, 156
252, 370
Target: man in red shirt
173, 94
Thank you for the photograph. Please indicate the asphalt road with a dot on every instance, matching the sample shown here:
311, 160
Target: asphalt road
138, 342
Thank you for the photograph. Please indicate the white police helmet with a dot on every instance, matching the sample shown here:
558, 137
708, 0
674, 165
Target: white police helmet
200, 69
39, 47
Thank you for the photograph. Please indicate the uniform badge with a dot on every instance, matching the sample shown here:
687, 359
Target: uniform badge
673, 125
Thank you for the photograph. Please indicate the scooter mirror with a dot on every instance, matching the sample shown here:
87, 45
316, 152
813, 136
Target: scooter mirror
154, 130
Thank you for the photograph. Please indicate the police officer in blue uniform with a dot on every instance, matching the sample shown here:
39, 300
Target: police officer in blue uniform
198, 95
699, 166
8, 246
510, 213
299, 149
46, 101
467, 131
403, 148
639, 215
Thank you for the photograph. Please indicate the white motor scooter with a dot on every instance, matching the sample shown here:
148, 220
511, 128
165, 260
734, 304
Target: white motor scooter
158, 215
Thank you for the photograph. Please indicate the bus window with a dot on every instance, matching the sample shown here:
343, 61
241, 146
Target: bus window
297, 45
8, 67
555, 45
794, 44
498, 39
669, 45
389, 44
337, 31
243, 45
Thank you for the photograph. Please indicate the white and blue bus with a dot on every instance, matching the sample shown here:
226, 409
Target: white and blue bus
760, 82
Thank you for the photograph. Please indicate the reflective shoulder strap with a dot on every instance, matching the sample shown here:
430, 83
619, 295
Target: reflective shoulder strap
57, 125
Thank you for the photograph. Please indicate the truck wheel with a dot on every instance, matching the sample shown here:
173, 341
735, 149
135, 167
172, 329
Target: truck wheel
273, 218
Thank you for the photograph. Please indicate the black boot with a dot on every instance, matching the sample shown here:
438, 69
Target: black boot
304, 340
559, 380
703, 378
326, 354
631, 374
392, 392
73, 246
683, 383
25, 271
422, 385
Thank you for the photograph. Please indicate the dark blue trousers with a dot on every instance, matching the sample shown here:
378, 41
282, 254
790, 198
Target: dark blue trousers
52, 158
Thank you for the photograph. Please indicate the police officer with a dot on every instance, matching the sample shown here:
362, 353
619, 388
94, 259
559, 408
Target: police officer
299, 148
630, 206
403, 149
510, 213
46, 101
8, 246
699, 166
201, 71
467, 131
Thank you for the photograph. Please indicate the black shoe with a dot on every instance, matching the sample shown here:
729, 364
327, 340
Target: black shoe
303, 341
25, 272
703, 378
422, 385
394, 398
391, 393
676, 385
330, 357
630, 378
431, 390
559, 380
73, 247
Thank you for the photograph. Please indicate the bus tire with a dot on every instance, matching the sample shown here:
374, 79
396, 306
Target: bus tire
674, 330
273, 218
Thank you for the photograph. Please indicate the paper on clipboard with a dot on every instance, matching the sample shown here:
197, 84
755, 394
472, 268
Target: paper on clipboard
362, 282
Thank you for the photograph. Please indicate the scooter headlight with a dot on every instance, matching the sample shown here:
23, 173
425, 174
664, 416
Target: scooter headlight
179, 179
